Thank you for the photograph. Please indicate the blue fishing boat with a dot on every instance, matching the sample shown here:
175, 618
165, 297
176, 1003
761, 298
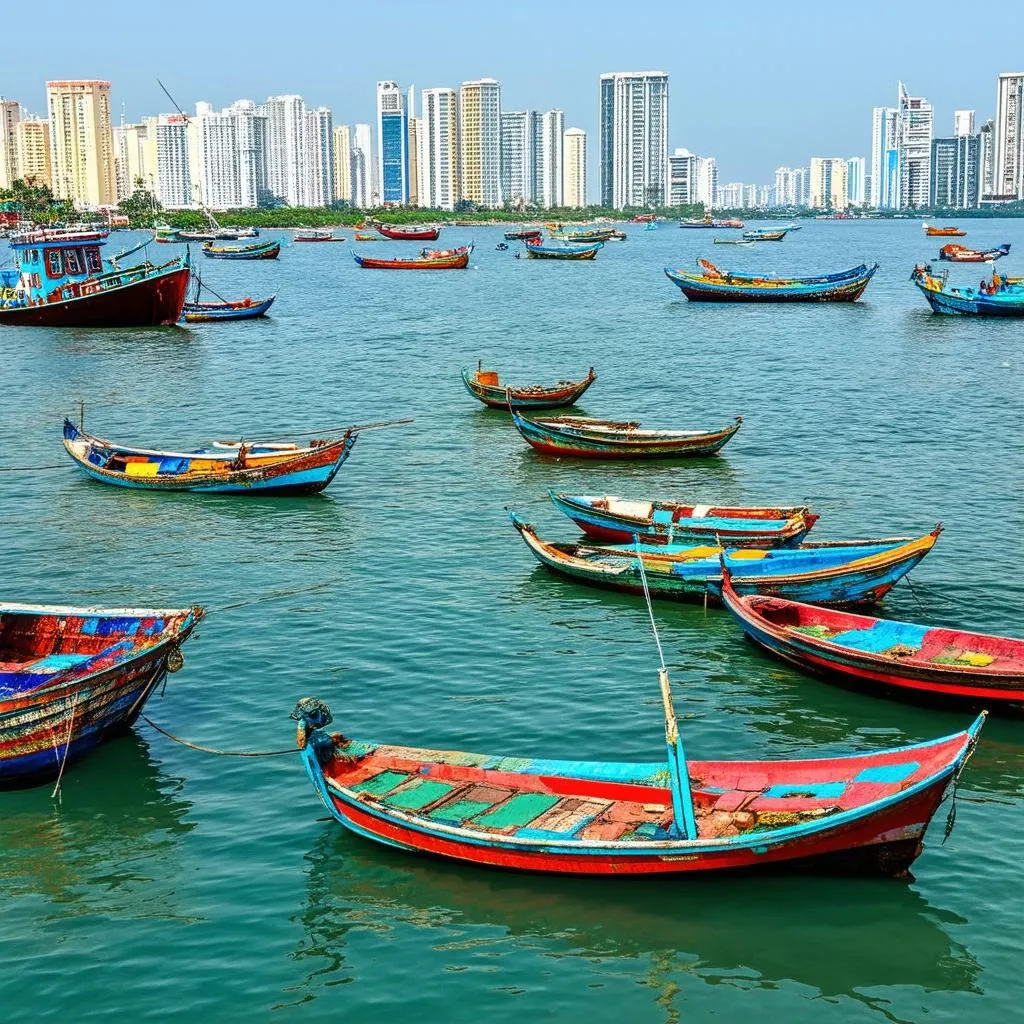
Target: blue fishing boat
715, 285
71, 678
538, 251
240, 309
256, 251
831, 573
765, 234
1003, 300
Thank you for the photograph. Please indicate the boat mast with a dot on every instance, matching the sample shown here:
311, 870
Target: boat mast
684, 821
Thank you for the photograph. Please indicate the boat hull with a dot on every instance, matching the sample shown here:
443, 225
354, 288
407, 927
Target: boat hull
256, 252
200, 313
1001, 305
497, 396
409, 235
702, 289
459, 262
152, 302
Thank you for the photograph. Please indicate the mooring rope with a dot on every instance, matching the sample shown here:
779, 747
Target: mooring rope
214, 750
647, 598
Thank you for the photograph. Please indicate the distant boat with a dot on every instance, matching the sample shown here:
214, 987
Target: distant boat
585, 237
538, 251
734, 241
486, 386
256, 251
765, 234
948, 232
707, 222
716, 285
955, 253
428, 259
316, 235
409, 232
523, 235
367, 238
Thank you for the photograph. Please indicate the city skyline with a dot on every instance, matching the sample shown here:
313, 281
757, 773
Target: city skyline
793, 119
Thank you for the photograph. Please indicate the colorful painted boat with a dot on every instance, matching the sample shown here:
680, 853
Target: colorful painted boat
860, 814
537, 251
765, 235
710, 270
486, 386
428, 259
1003, 302
954, 253
733, 241
165, 233
523, 235
585, 237
707, 222
240, 309
903, 660
316, 235
72, 678
722, 286
948, 232
619, 520
584, 437
224, 468
367, 238
61, 280
839, 574
409, 232
256, 251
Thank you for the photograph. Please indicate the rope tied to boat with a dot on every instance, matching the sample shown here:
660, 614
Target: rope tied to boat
647, 598
214, 750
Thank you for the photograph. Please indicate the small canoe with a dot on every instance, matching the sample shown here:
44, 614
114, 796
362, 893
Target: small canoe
486, 386
585, 237
72, 678
733, 241
955, 253
948, 232
409, 233
256, 251
584, 437
316, 235
944, 299
764, 235
223, 468
619, 520
241, 309
860, 814
526, 234
902, 660
721, 286
451, 259
839, 574
537, 251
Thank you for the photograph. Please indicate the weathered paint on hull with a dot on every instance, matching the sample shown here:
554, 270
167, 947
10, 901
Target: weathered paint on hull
155, 301
497, 397
197, 315
980, 305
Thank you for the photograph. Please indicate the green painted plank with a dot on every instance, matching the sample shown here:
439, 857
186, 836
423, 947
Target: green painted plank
420, 793
457, 812
379, 784
520, 810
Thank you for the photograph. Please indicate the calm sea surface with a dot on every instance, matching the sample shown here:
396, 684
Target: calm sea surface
166, 880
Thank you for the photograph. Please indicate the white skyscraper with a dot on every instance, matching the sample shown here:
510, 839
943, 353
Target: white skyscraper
707, 181
519, 137
634, 139
318, 172
856, 172
551, 156
362, 167
131, 154
437, 137
10, 115
213, 158
682, 178
884, 159
480, 142
1008, 169
963, 123
168, 136
250, 152
574, 174
914, 137
286, 147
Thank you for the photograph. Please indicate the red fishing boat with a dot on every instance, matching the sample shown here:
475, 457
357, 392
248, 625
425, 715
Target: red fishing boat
428, 259
61, 280
956, 253
924, 664
410, 232
948, 232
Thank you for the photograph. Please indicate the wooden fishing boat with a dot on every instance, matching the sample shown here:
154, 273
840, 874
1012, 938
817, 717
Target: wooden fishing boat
409, 232
72, 678
616, 235
523, 235
859, 814
835, 573
948, 232
1001, 302
707, 222
428, 259
316, 235
584, 237
223, 468
765, 235
903, 660
619, 520
955, 253
584, 437
61, 280
256, 251
538, 251
486, 386
722, 286
165, 233
197, 236
239, 309
733, 241
367, 238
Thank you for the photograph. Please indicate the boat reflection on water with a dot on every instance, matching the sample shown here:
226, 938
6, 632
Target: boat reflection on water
838, 937
111, 844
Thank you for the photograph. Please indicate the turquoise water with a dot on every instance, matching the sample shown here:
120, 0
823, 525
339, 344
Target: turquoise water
169, 880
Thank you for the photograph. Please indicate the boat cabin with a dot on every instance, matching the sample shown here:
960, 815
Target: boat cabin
52, 265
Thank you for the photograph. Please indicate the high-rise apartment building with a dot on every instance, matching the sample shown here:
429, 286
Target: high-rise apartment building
343, 164
131, 160
884, 194
480, 142
363, 194
552, 132
520, 156
213, 158
987, 134
286, 148
634, 139
914, 136
707, 181
251, 134
784, 187
413, 149
169, 156
963, 123
856, 185
682, 178
438, 138
32, 142
392, 145
82, 142
1008, 171
10, 115
318, 180
574, 174
828, 183
956, 172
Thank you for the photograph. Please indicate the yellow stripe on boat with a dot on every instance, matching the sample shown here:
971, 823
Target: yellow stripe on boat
142, 468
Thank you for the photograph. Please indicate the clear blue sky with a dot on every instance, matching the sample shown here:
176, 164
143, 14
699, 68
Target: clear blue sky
754, 84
